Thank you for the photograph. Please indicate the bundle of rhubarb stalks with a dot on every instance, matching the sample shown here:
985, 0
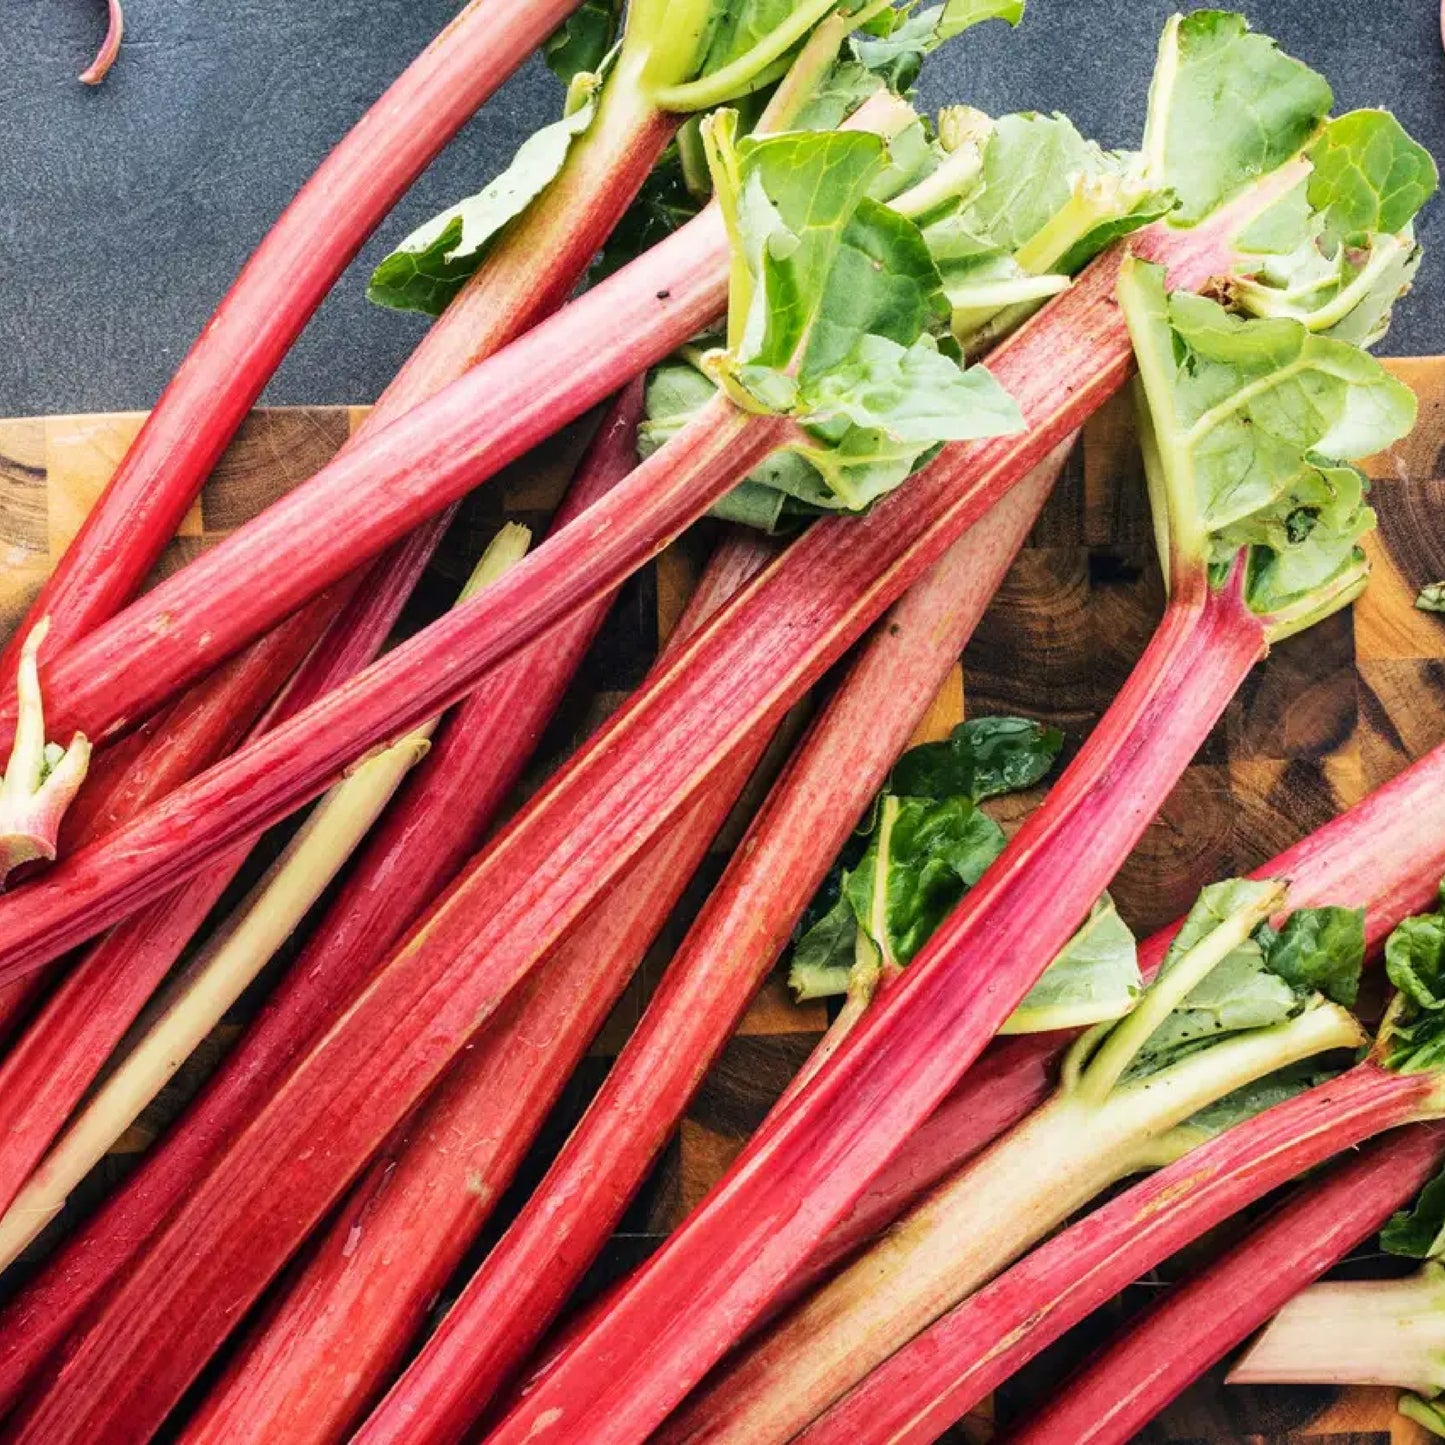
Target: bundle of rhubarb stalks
849, 347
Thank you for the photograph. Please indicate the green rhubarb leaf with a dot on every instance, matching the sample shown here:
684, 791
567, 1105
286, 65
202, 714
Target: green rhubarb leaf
1431, 598
832, 299
581, 43
1319, 950
982, 758
897, 49
1095, 979
1030, 165
824, 956
1248, 424
1339, 250
1412, 1036
918, 851
1266, 980
427, 270
1226, 107
1045, 202
1255, 1098
1419, 1232
1368, 178
924, 856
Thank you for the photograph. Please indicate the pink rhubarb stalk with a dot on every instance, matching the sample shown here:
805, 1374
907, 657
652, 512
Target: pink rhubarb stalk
945, 1371
954, 997
527, 274
421, 463
575, 838
416, 467
1199, 1322
340, 1330
282, 284
845, 758
1385, 855
840, 570
424, 839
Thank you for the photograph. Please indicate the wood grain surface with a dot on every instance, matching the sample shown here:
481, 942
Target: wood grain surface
1328, 717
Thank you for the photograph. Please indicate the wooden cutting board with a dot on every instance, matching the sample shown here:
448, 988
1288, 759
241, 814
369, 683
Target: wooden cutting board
1327, 718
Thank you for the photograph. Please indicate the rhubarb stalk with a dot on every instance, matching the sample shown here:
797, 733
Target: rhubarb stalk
522, 1285
231, 959
749, 665
529, 270
1385, 856
281, 286
716, 450
339, 1330
1198, 1322
421, 463
1128, 1100
721, 1270
418, 848
946, 1370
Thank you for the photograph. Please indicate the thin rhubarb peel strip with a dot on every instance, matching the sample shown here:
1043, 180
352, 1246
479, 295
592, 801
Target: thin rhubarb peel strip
943, 1372
284, 282
771, 644
1197, 1323
105, 57
841, 763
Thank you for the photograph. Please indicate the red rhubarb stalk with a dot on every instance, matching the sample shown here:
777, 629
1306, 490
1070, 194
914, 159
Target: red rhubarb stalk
275, 295
1024, 909
843, 761
723, 1269
1200, 1321
844, 574
527, 273
945, 1371
1385, 855
440, 819
332, 1341
573, 840
415, 467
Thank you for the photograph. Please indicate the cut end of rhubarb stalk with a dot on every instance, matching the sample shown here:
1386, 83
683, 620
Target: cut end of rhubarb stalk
41, 778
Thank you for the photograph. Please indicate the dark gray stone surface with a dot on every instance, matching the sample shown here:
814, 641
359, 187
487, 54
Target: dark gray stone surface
126, 211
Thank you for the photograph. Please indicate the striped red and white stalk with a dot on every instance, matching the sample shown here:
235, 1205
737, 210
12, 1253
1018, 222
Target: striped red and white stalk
1385, 855
330, 1343
576, 837
945, 1371
529, 271
1200, 1321
523, 1284
421, 844
1097, 1129
417, 466
282, 284
195, 1002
